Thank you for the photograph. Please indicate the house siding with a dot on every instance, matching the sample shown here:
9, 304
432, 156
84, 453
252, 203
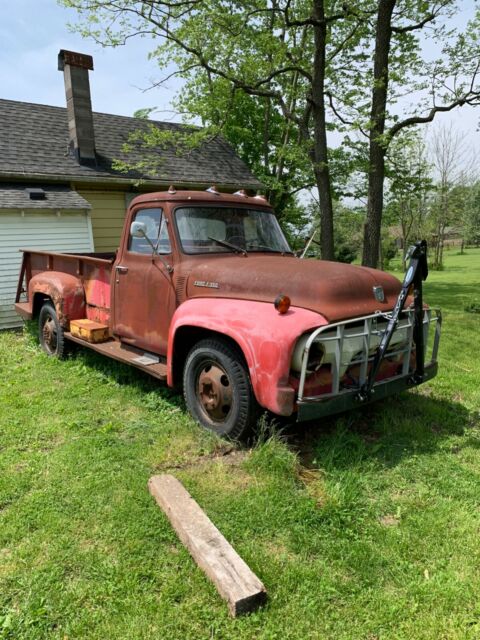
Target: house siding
41, 230
108, 215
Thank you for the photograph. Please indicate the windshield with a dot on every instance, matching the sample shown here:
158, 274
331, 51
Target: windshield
229, 230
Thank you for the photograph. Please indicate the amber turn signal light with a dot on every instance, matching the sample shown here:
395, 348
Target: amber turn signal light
282, 303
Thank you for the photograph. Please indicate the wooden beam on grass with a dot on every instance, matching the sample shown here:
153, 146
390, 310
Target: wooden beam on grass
234, 580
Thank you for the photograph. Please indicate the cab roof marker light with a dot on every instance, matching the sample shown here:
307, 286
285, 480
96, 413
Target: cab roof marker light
171, 189
213, 189
259, 196
241, 193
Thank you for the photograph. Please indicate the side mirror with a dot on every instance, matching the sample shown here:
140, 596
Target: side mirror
138, 230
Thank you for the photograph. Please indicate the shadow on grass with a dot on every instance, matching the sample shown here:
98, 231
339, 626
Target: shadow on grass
121, 374
124, 374
386, 432
409, 424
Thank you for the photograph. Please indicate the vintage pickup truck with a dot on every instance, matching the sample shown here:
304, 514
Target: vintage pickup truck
205, 293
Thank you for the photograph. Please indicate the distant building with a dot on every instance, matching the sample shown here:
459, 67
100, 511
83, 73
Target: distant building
453, 237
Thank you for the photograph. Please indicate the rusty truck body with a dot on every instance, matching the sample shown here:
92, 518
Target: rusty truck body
204, 293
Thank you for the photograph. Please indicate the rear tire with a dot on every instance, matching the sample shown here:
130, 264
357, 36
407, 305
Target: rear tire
50, 332
217, 389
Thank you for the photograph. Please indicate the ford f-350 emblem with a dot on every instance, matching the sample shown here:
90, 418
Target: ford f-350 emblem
379, 293
204, 283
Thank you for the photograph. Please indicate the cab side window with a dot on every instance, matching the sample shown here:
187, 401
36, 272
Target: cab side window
156, 230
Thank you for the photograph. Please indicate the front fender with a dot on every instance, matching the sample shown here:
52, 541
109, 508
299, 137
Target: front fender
265, 337
65, 290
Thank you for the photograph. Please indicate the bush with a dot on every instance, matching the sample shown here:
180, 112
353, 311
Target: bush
389, 251
345, 253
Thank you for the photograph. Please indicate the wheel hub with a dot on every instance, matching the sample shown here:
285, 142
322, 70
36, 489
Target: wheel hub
50, 334
214, 391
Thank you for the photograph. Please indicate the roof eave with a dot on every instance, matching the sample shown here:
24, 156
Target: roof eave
255, 184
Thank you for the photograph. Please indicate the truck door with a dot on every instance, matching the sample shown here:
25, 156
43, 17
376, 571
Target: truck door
144, 297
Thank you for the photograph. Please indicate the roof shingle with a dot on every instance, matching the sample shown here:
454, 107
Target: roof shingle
34, 143
16, 196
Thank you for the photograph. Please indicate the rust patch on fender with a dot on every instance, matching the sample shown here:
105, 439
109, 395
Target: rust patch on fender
65, 291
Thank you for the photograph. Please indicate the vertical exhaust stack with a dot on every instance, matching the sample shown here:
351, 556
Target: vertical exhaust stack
75, 67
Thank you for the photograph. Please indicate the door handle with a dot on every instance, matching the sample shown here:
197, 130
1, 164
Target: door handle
120, 269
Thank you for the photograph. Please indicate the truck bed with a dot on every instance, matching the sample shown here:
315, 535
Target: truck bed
93, 269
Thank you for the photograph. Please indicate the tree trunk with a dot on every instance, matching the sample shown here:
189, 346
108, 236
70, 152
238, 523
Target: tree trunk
319, 154
404, 245
376, 175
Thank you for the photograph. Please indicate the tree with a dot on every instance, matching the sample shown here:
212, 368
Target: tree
301, 67
276, 52
471, 220
264, 140
449, 155
409, 186
348, 231
401, 68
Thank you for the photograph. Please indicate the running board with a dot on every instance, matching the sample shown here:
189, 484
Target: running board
125, 353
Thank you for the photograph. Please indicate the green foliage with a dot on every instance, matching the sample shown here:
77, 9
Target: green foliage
389, 250
348, 224
148, 142
348, 233
409, 186
256, 72
144, 114
345, 253
471, 215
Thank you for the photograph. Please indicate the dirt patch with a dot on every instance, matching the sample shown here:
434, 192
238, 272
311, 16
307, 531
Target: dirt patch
313, 481
224, 452
389, 521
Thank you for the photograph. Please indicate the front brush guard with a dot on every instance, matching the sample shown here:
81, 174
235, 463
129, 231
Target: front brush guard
417, 272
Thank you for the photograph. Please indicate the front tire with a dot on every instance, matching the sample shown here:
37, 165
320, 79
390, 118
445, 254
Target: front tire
217, 389
50, 332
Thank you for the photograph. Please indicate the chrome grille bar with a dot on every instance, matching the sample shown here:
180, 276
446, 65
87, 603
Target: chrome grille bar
368, 328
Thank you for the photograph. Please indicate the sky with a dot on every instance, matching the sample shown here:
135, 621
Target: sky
33, 31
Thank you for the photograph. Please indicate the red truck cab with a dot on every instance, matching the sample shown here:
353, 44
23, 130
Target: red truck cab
205, 293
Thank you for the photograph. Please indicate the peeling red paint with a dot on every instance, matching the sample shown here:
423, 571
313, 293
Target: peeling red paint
97, 293
79, 286
265, 337
65, 291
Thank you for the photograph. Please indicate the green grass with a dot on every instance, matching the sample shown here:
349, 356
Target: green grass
361, 527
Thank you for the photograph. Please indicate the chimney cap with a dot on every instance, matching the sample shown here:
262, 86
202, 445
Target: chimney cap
74, 59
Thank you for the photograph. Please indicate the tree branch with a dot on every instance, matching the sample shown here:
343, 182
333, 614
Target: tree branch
473, 99
340, 117
428, 18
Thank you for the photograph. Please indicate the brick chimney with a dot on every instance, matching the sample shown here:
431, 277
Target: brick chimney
75, 67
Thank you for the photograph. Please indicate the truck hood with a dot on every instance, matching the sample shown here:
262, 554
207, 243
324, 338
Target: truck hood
335, 290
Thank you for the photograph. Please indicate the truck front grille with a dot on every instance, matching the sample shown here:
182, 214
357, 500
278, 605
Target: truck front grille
349, 348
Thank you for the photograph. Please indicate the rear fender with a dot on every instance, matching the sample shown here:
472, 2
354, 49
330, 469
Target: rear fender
265, 337
66, 292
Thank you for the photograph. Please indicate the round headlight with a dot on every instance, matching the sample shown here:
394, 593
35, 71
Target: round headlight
315, 357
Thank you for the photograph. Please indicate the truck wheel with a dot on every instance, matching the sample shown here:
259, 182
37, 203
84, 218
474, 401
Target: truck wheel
51, 334
217, 389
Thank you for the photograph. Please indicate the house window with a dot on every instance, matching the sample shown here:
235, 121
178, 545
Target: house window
156, 230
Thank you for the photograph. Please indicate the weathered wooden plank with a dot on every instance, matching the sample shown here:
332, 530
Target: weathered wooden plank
233, 578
